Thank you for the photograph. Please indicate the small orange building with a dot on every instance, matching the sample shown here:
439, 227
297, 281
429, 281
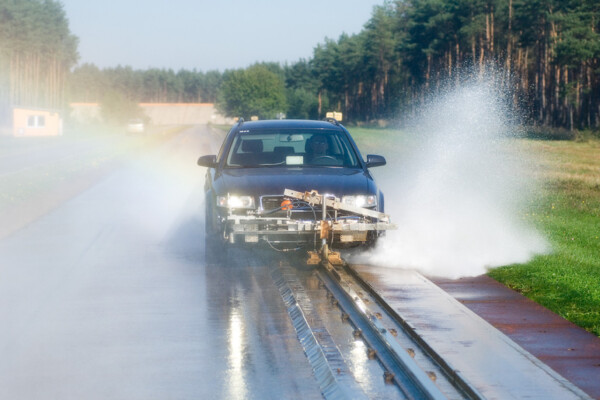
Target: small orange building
36, 122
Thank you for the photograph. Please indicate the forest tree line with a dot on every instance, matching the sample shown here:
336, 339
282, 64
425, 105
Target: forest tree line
545, 52
88, 83
37, 51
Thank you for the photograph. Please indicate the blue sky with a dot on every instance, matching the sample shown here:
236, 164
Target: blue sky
208, 35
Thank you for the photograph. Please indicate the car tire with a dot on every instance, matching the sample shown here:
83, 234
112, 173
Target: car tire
213, 241
372, 239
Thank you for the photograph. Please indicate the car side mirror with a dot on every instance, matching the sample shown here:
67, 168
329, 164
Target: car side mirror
375, 160
209, 161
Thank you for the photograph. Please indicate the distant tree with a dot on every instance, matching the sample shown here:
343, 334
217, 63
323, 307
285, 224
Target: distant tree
302, 86
86, 83
191, 86
327, 71
89, 83
300, 75
302, 104
211, 82
116, 108
379, 50
273, 67
37, 51
577, 49
255, 91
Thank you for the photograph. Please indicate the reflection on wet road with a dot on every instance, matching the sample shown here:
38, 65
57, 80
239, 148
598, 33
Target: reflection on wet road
265, 359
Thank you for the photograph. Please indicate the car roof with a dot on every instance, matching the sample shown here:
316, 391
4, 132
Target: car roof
289, 124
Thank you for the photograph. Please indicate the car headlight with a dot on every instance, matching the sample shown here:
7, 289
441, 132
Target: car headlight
235, 201
360, 201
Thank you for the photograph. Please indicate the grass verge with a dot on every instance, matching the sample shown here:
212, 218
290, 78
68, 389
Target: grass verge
567, 281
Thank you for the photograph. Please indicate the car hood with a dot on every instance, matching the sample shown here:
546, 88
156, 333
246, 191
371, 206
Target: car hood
273, 181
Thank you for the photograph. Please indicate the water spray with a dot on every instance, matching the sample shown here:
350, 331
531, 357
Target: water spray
460, 196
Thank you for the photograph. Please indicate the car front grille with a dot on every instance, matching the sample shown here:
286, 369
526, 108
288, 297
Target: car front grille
270, 203
271, 206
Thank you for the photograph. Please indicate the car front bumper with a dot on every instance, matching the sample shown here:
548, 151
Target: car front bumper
339, 225
251, 229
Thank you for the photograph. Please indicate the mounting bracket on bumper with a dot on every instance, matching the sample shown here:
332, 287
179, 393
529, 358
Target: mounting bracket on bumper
254, 227
326, 201
314, 198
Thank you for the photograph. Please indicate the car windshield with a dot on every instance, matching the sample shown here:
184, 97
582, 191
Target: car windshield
317, 147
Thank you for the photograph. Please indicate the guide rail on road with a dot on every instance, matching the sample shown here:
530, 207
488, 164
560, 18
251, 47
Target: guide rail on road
430, 380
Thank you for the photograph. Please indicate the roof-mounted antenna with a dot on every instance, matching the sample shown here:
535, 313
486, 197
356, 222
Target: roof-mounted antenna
240, 121
332, 120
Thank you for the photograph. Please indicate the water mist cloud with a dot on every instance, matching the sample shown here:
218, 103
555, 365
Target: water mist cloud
459, 198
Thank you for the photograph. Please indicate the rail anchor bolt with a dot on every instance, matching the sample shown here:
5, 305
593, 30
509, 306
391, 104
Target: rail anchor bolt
313, 258
371, 354
334, 258
432, 375
388, 377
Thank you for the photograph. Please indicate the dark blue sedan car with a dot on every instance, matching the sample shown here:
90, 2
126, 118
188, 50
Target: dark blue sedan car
292, 184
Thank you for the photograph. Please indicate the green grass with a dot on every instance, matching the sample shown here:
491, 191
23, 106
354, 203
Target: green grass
566, 210
567, 281
384, 141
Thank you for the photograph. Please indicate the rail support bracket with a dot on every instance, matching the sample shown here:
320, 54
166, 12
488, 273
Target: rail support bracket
335, 258
313, 258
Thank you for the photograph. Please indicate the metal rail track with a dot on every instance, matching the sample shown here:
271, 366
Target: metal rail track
405, 360
417, 370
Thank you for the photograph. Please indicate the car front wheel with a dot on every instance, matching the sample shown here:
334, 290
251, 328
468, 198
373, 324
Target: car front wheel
213, 237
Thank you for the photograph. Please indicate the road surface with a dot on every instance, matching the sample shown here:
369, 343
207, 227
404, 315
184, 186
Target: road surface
108, 296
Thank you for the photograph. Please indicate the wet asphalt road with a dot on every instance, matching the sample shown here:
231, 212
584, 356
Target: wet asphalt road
109, 297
